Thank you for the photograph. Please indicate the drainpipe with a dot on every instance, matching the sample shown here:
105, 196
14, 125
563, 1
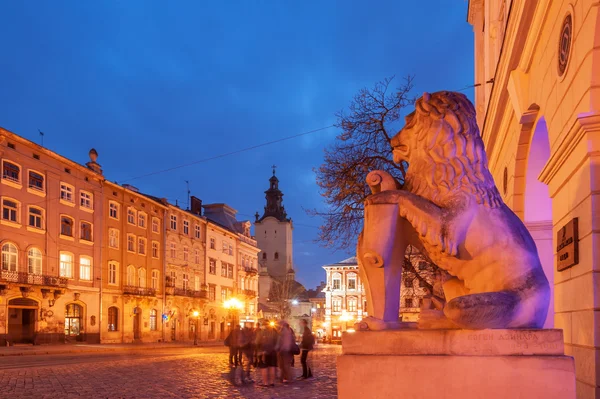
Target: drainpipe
101, 273
164, 279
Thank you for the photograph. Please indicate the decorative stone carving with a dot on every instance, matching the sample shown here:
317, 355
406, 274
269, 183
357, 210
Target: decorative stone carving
76, 296
451, 210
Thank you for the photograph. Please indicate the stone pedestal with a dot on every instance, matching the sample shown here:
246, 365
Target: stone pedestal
465, 364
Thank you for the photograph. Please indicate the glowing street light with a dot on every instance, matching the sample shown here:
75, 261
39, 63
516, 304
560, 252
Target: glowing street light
234, 305
294, 302
195, 313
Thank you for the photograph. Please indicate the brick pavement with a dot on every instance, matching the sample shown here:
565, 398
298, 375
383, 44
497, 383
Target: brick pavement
184, 373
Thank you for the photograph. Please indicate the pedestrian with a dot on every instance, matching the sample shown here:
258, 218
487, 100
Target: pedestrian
306, 345
266, 341
285, 346
232, 341
247, 348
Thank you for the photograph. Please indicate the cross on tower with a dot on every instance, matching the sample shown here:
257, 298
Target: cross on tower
274, 167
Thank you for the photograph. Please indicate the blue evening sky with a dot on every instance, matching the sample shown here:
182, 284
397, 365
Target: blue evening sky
156, 84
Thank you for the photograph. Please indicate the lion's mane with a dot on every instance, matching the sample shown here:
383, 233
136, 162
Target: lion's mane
449, 160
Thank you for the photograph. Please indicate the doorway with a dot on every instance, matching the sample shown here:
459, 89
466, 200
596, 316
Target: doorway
137, 323
211, 330
73, 322
22, 315
174, 330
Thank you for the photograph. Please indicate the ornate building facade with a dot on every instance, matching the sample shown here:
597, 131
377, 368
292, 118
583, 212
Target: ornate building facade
538, 106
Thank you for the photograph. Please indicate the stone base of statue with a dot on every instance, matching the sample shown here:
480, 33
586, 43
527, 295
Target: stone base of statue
465, 364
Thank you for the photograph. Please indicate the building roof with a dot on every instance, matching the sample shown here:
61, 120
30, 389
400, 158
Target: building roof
346, 262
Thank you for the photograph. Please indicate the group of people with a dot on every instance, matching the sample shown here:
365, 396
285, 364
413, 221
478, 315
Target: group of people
269, 348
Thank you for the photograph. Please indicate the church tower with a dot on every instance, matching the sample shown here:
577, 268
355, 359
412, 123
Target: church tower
273, 232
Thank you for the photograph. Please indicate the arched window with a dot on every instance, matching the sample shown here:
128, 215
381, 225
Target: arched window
336, 281
34, 261
66, 226
351, 281
264, 255
276, 255
141, 277
113, 318
153, 326
130, 275
352, 304
9, 257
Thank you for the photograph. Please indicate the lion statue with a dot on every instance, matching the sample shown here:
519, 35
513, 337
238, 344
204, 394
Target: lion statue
460, 222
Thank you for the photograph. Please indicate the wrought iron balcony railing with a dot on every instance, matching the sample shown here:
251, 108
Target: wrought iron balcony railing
249, 293
140, 291
190, 293
33, 279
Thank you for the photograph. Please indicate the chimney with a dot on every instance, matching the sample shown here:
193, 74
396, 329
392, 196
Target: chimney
196, 206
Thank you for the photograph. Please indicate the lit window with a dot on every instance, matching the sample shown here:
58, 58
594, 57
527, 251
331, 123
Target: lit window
10, 210
230, 271
186, 227
86, 200
337, 282
155, 276
336, 304
86, 231
11, 172
141, 277
66, 192
142, 246
173, 249
113, 210
352, 281
113, 238
212, 266
173, 222
186, 253
225, 247
131, 243
154, 249
185, 282
212, 243
142, 220
113, 319
66, 226
196, 256
130, 275
196, 283
223, 294
230, 249
155, 225
197, 231
223, 269
66, 265
85, 268
36, 181
9, 257
212, 293
153, 324
35, 218
352, 304
113, 272
34, 261
131, 216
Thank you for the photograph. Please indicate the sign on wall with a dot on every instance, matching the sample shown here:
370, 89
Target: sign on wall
567, 246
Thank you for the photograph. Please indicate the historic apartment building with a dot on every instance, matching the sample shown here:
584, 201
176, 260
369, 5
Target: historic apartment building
50, 239
537, 98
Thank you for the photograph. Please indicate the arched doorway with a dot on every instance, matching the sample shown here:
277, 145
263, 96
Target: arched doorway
537, 206
74, 322
137, 323
22, 316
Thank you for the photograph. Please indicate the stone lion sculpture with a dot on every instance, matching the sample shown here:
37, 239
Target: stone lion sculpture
449, 208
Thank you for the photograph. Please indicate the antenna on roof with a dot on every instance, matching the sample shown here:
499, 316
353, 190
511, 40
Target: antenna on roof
187, 183
42, 136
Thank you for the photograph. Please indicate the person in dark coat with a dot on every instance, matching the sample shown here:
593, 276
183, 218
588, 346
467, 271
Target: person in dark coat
306, 345
233, 342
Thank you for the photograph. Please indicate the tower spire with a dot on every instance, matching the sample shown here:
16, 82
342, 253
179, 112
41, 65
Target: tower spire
274, 198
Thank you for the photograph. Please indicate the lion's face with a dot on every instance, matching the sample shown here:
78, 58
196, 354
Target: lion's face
405, 140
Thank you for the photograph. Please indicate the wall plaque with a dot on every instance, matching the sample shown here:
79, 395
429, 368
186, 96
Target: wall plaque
567, 246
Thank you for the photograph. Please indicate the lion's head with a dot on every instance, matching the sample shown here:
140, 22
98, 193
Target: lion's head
444, 150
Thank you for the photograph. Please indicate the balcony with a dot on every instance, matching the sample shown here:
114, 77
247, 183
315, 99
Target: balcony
190, 293
138, 291
250, 271
247, 240
33, 279
249, 293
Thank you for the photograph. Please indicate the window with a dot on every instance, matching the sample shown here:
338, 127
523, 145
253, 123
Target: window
212, 243
230, 249
142, 220
153, 320
86, 200
352, 303
223, 294
113, 210
337, 282
130, 242
141, 246
196, 283
130, 275
66, 226
230, 271
352, 281
36, 181
85, 268
185, 282
86, 231
35, 217
154, 281
422, 265
10, 210
113, 272
155, 225
154, 249
66, 265
223, 269
66, 192
9, 257
186, 227
186, 253
197, 231
212, 266
276, 256
141, 277
131, 216
34, 261
212, 295
242, 283
113, 238
336, 304
408, 283
113, 318
197, 256
422, 283
173, 222
408, 302
173, 249
264, 255
11, 172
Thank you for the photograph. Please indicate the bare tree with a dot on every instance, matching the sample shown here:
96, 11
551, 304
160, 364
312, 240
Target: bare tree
281, 293
363, 145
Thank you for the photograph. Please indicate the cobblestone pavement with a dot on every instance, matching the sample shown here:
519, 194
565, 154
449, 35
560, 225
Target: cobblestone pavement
172, 373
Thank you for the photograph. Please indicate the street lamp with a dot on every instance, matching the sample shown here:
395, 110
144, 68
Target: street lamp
233, 305
196, 314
